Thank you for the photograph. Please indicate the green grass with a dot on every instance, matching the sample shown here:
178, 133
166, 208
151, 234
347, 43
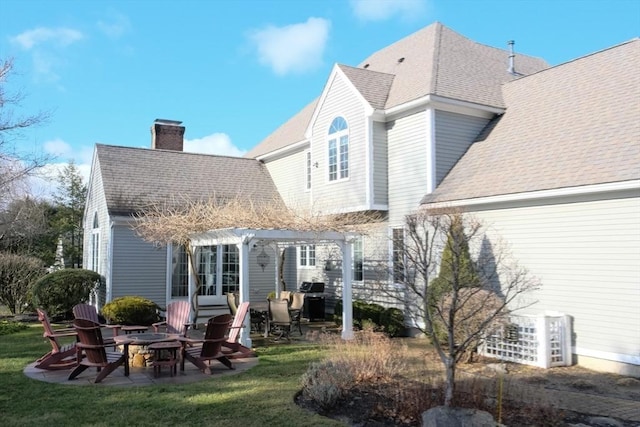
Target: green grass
262, 396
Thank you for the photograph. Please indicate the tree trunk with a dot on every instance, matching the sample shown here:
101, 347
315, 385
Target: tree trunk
283, 285
450, 383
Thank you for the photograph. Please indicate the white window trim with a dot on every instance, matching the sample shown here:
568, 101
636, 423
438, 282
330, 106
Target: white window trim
336, 136
95, 244
307, 171
307, 252
353, 257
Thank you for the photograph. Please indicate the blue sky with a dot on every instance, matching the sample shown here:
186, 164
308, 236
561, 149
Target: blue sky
233, 71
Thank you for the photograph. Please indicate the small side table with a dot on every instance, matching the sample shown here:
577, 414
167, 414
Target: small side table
165, 354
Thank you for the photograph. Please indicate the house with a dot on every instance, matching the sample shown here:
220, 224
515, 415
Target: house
550, 156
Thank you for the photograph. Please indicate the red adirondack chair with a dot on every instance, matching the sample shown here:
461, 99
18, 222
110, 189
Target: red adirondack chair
60, 356
89, 312
232, 347
177, 320
211, 345
91, 344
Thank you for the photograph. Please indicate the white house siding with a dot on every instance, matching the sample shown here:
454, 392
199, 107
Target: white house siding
97, 204
454, 134
349, 194
138, 268
262, 282
586, 254
289, 175
407, 147
380, 169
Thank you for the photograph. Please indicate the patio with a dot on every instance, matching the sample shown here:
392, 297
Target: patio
140, 377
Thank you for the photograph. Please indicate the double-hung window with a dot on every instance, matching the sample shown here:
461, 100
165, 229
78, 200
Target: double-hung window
338, 145
95, 244
307, 256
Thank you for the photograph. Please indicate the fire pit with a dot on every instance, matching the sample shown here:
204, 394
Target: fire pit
139, 354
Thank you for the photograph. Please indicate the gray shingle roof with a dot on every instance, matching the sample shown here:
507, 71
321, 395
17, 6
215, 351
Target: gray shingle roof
574, 124
134, 178
373, 85
435, 60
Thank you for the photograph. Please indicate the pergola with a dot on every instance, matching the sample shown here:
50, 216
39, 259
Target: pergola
245, 238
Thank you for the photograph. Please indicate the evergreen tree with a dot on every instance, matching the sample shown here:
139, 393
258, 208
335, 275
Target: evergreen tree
70, 200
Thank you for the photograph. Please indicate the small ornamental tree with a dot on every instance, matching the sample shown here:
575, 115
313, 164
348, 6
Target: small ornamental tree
469, 296
17, 274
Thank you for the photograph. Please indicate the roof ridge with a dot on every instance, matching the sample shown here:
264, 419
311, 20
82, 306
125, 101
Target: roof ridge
191, 153
436, 57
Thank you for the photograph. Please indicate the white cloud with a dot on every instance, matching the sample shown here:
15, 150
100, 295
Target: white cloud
217, 143
293, 48
116, 27
380, 10
57, 147
57, 36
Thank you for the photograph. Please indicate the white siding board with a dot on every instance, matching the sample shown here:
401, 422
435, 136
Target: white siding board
380, 169
342, 195
586, 254
289, 176
407, 152
454, 134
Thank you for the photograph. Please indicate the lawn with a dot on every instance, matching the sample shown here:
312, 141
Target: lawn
262, 396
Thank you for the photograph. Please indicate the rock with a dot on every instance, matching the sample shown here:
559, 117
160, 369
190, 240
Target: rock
604, 422
442, 416
500, 368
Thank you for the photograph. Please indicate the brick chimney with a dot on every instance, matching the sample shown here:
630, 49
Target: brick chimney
167, 135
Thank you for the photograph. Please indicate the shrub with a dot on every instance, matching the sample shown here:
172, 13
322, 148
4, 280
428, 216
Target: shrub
373, 316
131, 310
392, 321
59, 291
326, 382
17, 274
9, 327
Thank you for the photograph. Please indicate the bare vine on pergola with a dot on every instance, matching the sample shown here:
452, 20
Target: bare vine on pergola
176, 220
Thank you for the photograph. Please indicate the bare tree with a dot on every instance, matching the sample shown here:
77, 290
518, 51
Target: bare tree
14, 164
467, 304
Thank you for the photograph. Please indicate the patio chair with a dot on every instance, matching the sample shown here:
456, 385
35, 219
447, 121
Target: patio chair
90, 343
177, 319
286, 295
89, 312
295, 309
211, 345
232, 347
279, 318
60, 356
231, 302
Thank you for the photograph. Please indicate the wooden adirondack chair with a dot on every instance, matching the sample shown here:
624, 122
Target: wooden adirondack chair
91, 344
60, 356
211, 345
177, 320
232, 347
89, 312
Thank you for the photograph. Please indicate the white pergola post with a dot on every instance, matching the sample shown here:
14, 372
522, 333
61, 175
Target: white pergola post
243, 251
347, 297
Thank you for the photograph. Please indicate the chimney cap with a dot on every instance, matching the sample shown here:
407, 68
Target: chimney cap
168, 122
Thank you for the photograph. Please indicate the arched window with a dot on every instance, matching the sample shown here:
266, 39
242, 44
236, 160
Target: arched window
338, 149
95, 244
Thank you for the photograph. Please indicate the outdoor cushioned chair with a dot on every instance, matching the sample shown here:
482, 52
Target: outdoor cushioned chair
177, 320
232, 347
90, 343
279, 318
60, 356
211, 346
295, 309
285, 295
231, 302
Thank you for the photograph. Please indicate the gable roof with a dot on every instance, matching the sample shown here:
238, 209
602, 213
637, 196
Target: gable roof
433, 61
135, 178
571, 125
